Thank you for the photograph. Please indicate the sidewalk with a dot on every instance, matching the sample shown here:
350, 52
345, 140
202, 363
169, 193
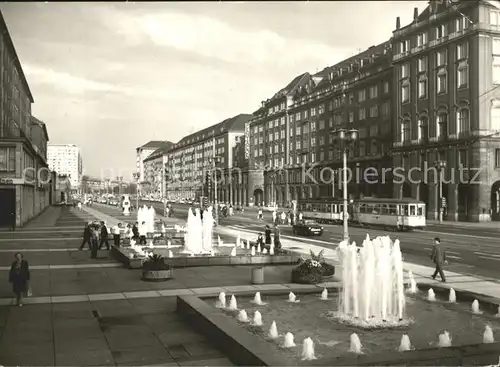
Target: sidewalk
449, 223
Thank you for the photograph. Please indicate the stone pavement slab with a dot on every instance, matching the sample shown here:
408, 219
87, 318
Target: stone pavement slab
124, 332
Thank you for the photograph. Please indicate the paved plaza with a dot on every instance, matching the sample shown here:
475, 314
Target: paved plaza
96, 313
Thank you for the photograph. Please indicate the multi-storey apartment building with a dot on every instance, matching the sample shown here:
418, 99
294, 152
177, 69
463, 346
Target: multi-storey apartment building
20, 155
292, 139
447, 108
142, 153
191, 158
66, 160
155, 171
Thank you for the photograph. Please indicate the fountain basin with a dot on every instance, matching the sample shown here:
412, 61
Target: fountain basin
221, 258
309, 319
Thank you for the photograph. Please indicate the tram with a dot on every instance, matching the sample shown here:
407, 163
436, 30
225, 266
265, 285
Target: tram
397, 214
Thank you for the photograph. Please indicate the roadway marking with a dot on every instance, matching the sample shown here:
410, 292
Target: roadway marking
40, 249
40, 239
489, 258
486, 254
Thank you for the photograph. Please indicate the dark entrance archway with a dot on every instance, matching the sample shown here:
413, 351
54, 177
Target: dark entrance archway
423, 195
8, 208
495, 201
258, 197
464, 201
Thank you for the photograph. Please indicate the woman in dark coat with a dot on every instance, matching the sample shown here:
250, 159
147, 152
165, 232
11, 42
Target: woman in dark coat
19, 276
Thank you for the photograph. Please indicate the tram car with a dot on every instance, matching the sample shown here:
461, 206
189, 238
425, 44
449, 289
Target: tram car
397, 214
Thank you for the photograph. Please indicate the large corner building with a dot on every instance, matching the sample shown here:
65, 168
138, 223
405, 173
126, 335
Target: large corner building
446, 67
24, 179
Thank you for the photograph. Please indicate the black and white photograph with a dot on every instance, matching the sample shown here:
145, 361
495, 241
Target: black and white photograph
250, 183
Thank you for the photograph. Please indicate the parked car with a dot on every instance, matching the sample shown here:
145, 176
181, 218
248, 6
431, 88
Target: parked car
307, 228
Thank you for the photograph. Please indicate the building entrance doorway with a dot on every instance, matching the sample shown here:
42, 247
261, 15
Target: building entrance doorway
8, 207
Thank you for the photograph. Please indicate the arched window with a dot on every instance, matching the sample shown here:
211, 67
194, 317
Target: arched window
442, 122
423, 128
462, 121
405, 131
495, 116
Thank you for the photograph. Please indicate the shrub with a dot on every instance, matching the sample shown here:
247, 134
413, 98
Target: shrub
155, 262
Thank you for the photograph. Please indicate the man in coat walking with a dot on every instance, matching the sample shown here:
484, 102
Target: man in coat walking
438, 257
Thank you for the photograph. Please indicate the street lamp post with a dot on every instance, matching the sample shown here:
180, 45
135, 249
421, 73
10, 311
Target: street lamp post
441, 165
346, 137
136, 178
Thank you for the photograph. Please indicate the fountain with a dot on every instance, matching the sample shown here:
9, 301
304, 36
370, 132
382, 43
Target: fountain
126, 205
413, 283
444, 340
355, 344
233, 305
405, 344
273, 331
431, 296
475, 307
242, 316
233, 251
170, 254
151, 219
193, 239
453, 297
271, 249
324, 295
222, 300
308, 350
257, 299
488, 337
292, 298
238, 241
252, 253
372, 283
257, 319
288, 342
207, 229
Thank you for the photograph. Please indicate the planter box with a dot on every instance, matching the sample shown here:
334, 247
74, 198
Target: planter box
157, 275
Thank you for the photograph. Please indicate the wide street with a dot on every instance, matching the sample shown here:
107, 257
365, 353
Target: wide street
472, 249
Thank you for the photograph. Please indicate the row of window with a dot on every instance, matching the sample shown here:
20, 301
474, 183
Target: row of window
439, 32
462, 81
430, 128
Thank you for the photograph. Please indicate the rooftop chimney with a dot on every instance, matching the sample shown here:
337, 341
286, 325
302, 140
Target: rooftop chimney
398, 23
415, 14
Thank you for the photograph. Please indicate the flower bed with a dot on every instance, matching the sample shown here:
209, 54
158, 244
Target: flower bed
313, 270
154, 269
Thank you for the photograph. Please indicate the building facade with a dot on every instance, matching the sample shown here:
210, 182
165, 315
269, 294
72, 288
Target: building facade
293, 149
447, 109
22, 143
142, 153
155, 171
66, 160
191, 159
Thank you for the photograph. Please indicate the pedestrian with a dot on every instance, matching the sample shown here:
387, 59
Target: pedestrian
142, 233
13, 220
260, 215
283, 218
267, 235
135, 231
94, 241
104, 236
116, 234
19, 276
277, 241
438, 256
86, 235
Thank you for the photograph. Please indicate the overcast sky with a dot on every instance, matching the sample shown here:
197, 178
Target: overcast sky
111, 77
